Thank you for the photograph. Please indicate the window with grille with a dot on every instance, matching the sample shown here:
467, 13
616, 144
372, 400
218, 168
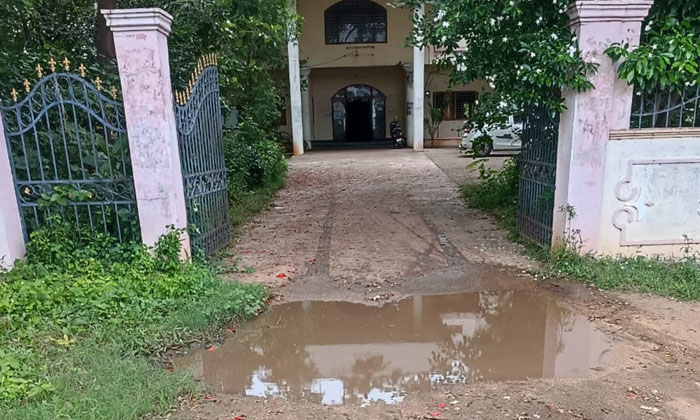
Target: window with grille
355, 22
455, 105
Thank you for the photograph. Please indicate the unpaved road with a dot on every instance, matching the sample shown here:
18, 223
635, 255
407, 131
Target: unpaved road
376, 226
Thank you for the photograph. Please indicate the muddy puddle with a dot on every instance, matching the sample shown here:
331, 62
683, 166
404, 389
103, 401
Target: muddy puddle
346, 353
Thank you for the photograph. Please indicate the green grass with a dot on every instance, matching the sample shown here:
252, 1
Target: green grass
84, 323
94, 380
246, 205
497, 194
679, 279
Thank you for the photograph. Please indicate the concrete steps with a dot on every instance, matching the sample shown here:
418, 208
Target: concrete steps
350, 145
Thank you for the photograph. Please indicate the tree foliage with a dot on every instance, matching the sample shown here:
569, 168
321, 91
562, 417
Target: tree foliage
247, 35
522, 48
527, 53
34, 30
669, 53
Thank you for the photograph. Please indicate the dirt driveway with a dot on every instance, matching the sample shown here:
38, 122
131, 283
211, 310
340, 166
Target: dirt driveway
374, 227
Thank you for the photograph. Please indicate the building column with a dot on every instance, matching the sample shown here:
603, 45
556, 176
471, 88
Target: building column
418, 90
408, 69
306, 103
141, 42
11, 235
589, 116
295, 91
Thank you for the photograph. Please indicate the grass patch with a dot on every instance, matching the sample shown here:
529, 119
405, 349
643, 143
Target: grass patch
247, 204
679, 279
497, 194
94, 380
84, 319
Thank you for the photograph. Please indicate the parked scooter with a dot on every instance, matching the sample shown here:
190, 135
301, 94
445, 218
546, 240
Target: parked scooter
397, 137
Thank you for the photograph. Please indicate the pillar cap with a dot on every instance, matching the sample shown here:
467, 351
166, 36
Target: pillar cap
588, 11
138, 20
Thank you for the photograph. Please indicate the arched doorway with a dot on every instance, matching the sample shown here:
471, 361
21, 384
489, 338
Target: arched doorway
359, 114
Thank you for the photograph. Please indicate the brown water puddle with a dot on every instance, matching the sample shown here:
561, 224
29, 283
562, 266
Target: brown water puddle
339, 352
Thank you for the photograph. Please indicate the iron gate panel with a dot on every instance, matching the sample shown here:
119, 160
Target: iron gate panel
666, 109
200, 134
69, 156
538, 167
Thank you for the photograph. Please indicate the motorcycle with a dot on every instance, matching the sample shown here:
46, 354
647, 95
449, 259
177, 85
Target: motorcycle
397, 138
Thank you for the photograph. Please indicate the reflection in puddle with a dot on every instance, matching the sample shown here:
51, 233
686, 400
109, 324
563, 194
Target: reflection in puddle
339, 352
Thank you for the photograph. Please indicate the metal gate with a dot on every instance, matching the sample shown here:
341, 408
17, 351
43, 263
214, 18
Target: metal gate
69, 154
666, 109
201, 138
538, 167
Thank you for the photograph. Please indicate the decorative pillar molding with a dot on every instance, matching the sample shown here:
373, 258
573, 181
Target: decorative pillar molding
589, 116
418, 90
141, 42
306, 103
408, 69
11, 234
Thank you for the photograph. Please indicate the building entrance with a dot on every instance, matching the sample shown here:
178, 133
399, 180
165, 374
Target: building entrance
359, 114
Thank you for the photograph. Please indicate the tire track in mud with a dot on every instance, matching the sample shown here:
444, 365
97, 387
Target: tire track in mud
322, 260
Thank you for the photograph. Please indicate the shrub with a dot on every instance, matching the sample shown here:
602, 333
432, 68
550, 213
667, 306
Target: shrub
80, 286
254, 160
497, 191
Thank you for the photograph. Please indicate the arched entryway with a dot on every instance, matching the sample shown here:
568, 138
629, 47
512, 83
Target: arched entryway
359, 114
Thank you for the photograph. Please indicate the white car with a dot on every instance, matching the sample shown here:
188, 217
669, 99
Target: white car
505, 138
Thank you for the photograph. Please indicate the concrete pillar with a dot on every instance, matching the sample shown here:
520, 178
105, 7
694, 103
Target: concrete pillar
306, 103
418, 91
408, 69
589, 117
295, 92
11, 235
141, 42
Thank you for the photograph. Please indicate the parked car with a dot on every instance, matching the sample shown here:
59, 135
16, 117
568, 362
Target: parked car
504, 138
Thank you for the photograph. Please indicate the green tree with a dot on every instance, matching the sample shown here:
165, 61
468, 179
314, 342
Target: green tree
34, 30
669, 53
248, 36
522, 48
526, 52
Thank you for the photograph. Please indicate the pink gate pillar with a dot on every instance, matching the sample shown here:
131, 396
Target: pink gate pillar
11, 236
141, 43
585, 125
